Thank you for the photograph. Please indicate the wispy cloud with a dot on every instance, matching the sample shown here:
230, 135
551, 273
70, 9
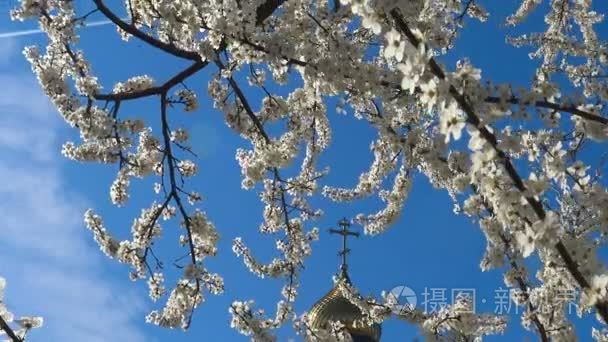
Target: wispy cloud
21, 33
51, 266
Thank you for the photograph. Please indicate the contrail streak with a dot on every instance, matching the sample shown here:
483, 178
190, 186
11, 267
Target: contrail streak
37, 31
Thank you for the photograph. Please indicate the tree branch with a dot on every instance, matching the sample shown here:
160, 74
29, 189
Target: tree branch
551, 105
9, 332
165, 87
521, 283
131, 29
473, 119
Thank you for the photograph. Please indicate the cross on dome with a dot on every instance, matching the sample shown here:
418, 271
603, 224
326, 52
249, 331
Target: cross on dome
345, 233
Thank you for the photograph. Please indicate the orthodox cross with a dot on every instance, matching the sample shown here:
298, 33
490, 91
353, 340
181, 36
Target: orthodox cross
344, 224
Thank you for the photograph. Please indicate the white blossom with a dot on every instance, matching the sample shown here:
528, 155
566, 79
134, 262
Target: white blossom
395, 46
20, 326
134, 84
187, 168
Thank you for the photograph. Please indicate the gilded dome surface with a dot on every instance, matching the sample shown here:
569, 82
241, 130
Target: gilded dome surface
335, 307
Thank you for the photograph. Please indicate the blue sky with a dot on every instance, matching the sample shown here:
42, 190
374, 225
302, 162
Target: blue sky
54, 269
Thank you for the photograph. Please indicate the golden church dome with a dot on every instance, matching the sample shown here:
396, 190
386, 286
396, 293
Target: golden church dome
335, 307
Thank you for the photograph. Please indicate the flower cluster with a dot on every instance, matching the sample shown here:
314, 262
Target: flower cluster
15, 329
189, 99
134, 84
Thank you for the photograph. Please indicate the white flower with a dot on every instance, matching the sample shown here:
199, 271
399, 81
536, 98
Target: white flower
27, 322
187, 168
180, 135
395, 47
597, 292
536, 185
156, 287
410, 78
476, 142
194, 197
120, 187
429, 93
451, 121
370, 21
189, 98
134, 84
525, 241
